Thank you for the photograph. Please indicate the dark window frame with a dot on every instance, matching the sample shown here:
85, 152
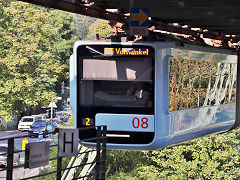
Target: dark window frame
91, 111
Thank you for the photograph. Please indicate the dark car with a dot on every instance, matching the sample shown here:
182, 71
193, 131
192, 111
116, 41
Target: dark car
38, 127
55, 126
3, 156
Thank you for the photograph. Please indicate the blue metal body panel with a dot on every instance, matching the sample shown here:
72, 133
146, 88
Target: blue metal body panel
124, 122
169, 127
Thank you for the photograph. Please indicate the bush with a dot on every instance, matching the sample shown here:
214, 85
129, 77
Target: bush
123, 161
212, 157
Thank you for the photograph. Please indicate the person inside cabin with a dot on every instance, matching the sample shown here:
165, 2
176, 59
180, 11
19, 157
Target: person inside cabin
139, 91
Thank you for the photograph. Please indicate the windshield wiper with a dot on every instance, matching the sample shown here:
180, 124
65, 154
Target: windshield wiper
94, 50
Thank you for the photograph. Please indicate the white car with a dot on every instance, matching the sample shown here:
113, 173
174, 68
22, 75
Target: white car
26, 122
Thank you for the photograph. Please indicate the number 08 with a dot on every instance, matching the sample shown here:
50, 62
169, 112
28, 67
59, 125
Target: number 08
136, 123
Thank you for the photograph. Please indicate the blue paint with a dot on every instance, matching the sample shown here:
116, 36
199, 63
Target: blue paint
168, 127
124, 122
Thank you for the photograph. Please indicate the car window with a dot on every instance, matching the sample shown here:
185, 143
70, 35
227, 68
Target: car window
3, 149
27, 120
39, 123
54, 122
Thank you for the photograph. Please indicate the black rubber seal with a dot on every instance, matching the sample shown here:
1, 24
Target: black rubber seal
237, 121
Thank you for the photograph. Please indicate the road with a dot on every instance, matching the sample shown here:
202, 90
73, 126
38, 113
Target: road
21, 172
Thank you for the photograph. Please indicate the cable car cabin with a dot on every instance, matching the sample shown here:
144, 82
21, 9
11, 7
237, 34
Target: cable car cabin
152, 94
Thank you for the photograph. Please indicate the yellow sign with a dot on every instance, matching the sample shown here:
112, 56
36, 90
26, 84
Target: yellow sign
126, 51
24, 142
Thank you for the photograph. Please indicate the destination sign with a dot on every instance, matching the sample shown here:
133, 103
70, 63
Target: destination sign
126, 51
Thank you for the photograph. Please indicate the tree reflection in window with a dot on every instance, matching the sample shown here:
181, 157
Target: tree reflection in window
195, 84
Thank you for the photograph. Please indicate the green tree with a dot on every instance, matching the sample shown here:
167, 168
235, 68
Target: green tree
100, 27
35, 46
123, 161
82, 24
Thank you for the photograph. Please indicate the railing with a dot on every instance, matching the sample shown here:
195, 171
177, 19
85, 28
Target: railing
98, 162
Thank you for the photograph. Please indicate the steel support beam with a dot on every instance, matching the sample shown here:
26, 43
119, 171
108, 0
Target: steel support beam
211, 35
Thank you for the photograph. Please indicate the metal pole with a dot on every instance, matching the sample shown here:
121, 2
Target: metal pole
97, 169
131, 5
59, 163
59, 168
103, 159
10, 158
51, 112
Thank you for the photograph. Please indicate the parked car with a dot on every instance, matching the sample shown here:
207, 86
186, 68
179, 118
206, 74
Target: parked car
26, 122
55, 121
38, 127
40, 117
54, 124
3, 156
62, 116
67, 111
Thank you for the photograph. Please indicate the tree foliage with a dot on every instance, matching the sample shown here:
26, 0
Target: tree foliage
82, 24
35, 45
100, 27
213, 157
123, 161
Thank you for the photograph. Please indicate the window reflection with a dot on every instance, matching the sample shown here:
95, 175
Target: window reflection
117, 82
194, 84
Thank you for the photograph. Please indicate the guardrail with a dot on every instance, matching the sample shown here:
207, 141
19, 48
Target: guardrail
98, 162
